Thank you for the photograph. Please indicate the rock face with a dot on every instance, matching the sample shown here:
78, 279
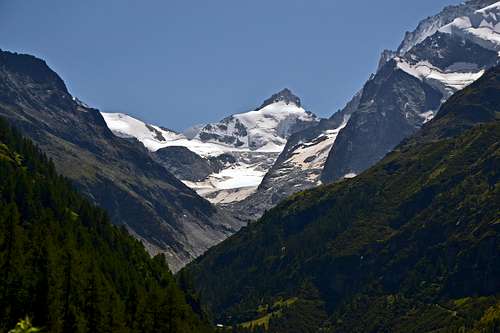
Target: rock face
224, 161
118, 174
444, 54
185, 164
189, 166
374, 129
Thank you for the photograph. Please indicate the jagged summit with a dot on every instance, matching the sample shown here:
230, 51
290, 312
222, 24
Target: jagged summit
432, 24
285, 95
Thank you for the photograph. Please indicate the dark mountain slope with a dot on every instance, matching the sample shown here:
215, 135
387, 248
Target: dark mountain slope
117, 174
186, 165
410, 245
381, 121
64, 265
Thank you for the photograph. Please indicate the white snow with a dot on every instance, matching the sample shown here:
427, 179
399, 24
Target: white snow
447, 82
493, 8
312, 155
481, 27
265, 130
350, 175
153, 137
237, 177
427, 116
201, 148
228, 196
234, 183
431, 25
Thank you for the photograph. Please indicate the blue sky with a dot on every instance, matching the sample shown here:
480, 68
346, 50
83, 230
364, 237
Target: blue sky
177, 63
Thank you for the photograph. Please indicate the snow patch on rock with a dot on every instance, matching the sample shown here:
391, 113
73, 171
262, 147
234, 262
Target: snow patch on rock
447, 81
313, 154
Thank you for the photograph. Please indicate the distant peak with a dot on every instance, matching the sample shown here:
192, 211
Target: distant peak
285, 95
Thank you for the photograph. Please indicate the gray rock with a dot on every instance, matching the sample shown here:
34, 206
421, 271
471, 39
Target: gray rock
284, 95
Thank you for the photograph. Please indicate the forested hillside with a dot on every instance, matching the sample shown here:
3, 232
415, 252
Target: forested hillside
64, 265
411, 245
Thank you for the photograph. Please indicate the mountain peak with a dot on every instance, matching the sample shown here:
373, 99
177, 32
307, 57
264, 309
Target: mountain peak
28, 66
432, 24
285, 95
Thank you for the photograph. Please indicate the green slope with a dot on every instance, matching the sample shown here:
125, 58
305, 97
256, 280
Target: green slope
411, 245
65, 266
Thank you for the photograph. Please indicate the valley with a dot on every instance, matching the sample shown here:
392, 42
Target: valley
381, 216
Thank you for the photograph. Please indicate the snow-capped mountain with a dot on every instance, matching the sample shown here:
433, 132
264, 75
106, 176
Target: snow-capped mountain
444, 54
266, 129
229, 158
436, 61
432, 24
298, 167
